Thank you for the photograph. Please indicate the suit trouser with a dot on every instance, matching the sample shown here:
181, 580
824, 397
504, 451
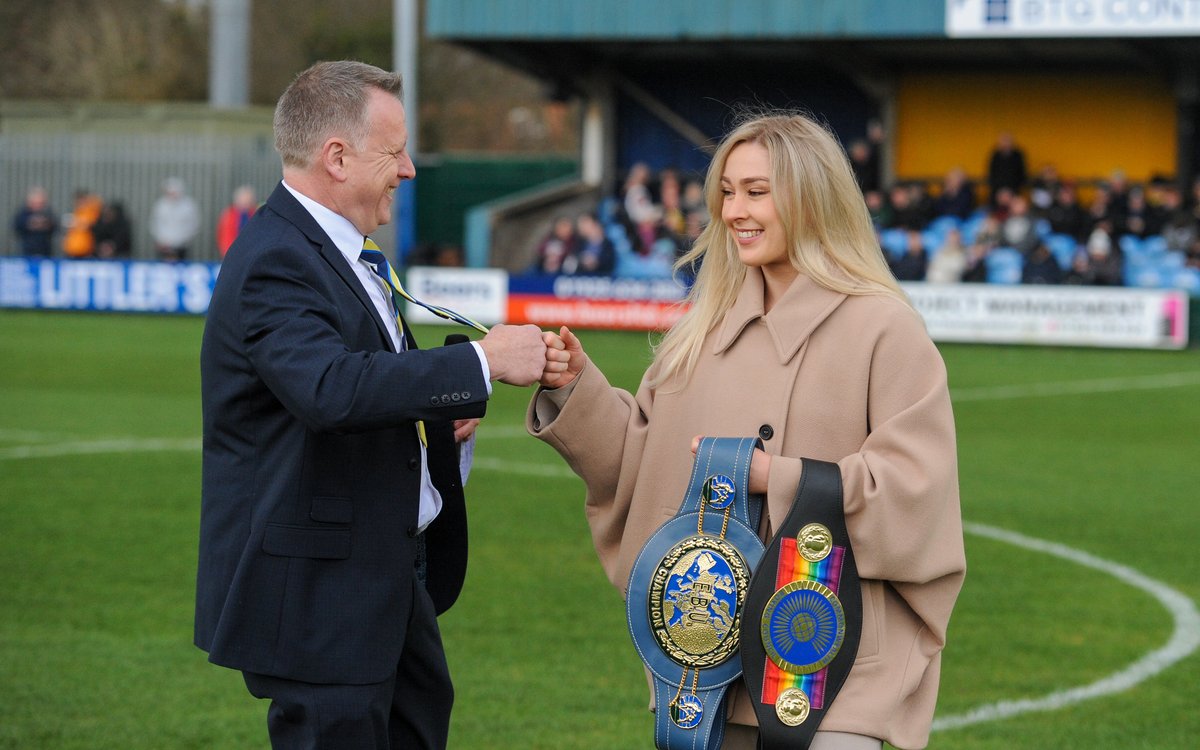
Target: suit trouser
410, 710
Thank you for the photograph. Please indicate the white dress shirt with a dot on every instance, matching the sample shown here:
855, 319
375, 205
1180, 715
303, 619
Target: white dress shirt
350, 242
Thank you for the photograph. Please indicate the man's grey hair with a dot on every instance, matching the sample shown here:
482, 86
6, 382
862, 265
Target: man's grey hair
329, 99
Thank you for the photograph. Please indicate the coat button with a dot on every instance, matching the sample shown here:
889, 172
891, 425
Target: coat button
445, 398
466, 395
412, 532
766, 432
434, 400
413, 464
455, 397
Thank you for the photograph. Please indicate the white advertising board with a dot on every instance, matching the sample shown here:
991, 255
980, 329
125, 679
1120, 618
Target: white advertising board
1066, 315
478, 293
1072, 18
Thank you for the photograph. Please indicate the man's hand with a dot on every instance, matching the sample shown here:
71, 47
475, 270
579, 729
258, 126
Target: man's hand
516, 354
564, 358
464, 428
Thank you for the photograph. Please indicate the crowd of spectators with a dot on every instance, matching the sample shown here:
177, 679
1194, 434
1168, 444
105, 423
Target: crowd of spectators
101, 229
638, 234
1013, 228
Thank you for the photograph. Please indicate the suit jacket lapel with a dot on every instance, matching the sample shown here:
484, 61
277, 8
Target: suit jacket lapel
283, 203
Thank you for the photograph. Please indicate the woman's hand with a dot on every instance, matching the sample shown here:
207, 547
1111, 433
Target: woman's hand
564, 358
760, 467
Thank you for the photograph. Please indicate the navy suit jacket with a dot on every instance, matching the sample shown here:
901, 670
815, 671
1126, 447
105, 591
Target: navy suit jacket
311, 476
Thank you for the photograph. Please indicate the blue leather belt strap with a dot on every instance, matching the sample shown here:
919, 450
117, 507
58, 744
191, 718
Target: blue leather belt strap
687, 592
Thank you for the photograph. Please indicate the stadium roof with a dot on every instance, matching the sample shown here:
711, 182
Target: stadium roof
559, 39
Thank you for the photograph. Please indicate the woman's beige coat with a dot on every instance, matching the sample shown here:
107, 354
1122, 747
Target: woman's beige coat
850, 379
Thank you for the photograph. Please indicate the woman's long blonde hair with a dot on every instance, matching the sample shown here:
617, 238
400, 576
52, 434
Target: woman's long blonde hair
830, 236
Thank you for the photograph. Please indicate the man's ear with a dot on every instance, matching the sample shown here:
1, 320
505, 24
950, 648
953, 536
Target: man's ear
333, 158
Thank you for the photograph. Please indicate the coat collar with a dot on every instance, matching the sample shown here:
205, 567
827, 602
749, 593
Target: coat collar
791, 321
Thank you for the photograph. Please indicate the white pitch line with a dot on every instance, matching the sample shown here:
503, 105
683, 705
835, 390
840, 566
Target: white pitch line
555, 471
1076, 387
114, 445
1184, 641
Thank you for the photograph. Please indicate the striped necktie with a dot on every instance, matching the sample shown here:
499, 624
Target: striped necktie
372, 256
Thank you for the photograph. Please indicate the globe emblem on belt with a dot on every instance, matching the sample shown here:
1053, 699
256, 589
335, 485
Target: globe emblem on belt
695, 601
803, 627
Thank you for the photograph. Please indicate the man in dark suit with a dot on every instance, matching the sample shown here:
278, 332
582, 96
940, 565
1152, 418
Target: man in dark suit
333, 528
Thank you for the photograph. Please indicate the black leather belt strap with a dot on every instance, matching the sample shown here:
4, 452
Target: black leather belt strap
803, 615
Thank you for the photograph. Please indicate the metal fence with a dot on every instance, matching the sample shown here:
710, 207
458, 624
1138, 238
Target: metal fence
130, 168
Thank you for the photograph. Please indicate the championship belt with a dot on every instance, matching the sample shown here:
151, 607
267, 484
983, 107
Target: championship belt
687, 594
807, 604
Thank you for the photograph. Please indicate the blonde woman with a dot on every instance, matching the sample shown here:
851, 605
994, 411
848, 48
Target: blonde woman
796, 333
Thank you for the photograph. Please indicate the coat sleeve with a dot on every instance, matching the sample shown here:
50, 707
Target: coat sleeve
295, 333
600, 431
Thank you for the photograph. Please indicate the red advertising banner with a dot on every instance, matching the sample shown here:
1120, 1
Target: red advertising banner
548, 311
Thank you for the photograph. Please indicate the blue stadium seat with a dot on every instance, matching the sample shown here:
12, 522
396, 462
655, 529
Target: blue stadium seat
944, 224
1172, 260
1004, 266
894, 241
1154, 244
970, 227
1063, 248
1187, 279
1131, 245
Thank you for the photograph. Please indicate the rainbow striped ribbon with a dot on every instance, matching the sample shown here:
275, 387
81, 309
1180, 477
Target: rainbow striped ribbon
793, 567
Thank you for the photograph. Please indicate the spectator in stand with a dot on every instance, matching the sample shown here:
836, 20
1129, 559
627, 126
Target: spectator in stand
693, 198
35, 225
878, 208
174, 221
113, 233
912, 264
1193, 202
1180, 227
1104, 255
1192, 255
975, 271
1100, 209
1044, 188
1019, 230
79, 241
1118, 197
595, 253
1041, 267
1163, 201
1141, 218
987, 238
1080, 273
905, 213
920, 199
1066, 216
864, 164
949, 262
957, 197
556, 252
1000, 207
638, 202
672, 202
1006, 167
235, 216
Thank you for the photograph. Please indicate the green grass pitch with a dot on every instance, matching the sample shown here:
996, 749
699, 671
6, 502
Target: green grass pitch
1097, 451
